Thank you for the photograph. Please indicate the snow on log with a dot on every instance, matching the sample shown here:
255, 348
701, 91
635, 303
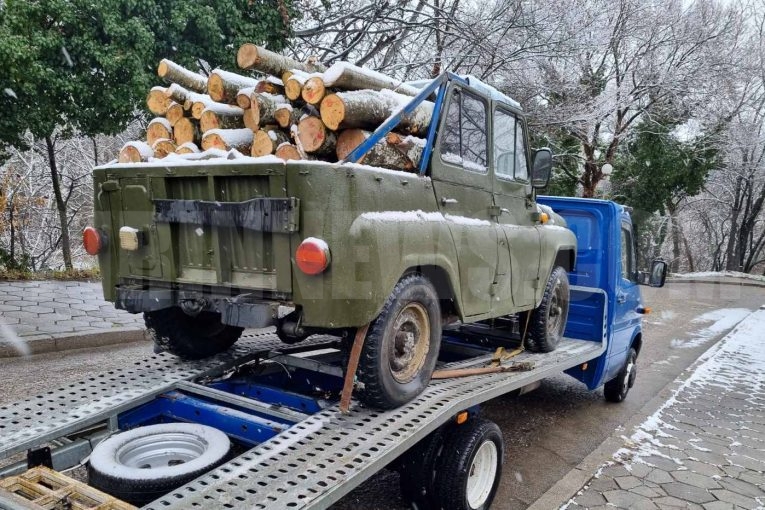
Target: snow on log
314, 136
284, 115
174, 113
270, 85
223, 86
186, 130
239, 139
344, 75
158, 128
313, 90
287, 151
157, 101
243, 97
178, 94
293, 85
221, 116
187, 148
135, 152
368, 109
163, 147
396, 155
263, 107
251, 56
196, 104
266, 141
174, 73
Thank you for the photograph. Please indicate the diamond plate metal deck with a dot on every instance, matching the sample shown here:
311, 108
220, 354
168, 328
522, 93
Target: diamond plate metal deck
59, 412
319, 460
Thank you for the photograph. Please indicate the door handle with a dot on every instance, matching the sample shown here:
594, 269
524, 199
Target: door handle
621, 297
445, 200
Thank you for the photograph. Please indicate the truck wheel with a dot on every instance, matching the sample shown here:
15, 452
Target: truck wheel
401, 347
418, 471
617, 388
548, 320
189, 337
471, 466
145, 463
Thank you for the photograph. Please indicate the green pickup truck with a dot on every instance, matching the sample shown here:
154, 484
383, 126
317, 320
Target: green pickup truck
207, 248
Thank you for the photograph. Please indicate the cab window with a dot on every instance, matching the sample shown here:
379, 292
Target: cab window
464, 134
509, 147
628, 255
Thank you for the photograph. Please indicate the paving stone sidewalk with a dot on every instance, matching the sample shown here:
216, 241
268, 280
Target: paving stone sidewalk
705, 448
40, 312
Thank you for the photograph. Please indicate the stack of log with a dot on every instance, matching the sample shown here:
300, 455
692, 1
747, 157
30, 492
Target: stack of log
294, 110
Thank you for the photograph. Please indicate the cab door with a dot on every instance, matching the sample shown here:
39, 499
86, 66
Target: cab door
627, 300
514, 207
461, 180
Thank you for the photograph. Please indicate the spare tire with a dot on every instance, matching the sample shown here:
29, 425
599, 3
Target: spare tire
145, 463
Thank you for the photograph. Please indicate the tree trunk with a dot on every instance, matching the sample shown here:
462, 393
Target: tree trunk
266, 141
350, 77
239, 139
66, 249
174, 73
223, 86
675, 233
221, 116
392, 152
368, 109
314, 137
731, 258
251, 56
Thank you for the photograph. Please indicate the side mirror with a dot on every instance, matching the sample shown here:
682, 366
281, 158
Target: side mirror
542, 168
656, 277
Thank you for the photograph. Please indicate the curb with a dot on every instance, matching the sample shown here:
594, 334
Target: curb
568, 486
41, 344
750, 283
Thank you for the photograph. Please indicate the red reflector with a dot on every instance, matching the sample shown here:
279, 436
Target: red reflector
91, 239
312, 256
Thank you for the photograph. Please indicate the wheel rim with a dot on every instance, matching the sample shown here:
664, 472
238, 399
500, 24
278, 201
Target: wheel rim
556, 311
628, 371
483, 472
161, 450
411, 341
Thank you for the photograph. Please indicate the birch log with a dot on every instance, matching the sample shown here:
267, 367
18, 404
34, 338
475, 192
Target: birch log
174, 73
251, 56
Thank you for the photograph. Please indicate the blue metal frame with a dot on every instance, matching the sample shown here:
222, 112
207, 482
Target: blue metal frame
387, 126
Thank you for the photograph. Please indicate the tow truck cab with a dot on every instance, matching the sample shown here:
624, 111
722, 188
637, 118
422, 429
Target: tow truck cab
605, 260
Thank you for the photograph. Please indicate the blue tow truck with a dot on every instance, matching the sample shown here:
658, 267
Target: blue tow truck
260, 426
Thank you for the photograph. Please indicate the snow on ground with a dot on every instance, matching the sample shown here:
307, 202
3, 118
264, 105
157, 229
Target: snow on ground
722, 320
733, 274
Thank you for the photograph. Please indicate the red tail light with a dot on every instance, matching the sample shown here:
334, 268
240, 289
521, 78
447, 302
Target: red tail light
312, 256
92, 240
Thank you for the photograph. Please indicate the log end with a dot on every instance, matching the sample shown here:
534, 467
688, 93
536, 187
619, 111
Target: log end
262, 144
157, 131
292, 89
347, 141
287, 151
174, 113
187, 148
157, 101
252, 117
313, 134
163, 68
313, 90
243, 100
283, 115
208, 121
184, 131
163, 147
135, 152
216, 88
332, 111
247, 56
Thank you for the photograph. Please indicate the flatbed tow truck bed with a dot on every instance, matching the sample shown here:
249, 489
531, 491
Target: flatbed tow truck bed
310, 464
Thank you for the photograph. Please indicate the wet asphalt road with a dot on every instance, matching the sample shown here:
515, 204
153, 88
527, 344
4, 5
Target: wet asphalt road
547, 432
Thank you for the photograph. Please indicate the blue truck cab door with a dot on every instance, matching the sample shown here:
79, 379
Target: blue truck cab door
626, 319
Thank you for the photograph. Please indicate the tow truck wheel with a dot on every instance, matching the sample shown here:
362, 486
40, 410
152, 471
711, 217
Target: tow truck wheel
471, 466
189, 337
417, 470
548, 320
401, 347
617, 388
145, 463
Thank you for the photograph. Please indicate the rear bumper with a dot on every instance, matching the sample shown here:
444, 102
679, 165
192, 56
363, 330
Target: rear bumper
242, 310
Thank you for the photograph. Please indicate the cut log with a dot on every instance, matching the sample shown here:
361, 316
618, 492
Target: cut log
196, 104
346, 76
284, 115
178, 94
239, 139
174, 73
287, 151
263, 107
163, 147
135, 152
243, 97
251, 56
186, 130
223, 86
266, 141
174, 113
383, 154
270, 85
313, 90
293, 86
410, 146
221, 116
314, 137
368, 109
158, 128
187, 148
157, 101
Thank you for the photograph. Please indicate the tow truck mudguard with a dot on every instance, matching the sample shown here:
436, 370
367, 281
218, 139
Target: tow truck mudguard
241, 310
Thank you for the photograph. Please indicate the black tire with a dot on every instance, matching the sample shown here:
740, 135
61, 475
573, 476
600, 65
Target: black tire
418, 471
189, 337
123, 466
548, 320
617, 388
464, 479
401, 347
